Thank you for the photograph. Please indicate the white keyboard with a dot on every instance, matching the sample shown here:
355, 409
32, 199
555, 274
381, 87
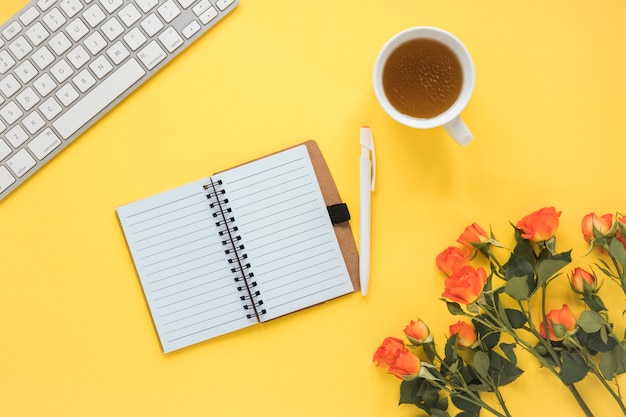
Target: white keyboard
66, 63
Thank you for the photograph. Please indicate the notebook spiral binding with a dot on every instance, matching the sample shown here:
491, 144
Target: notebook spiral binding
234, 249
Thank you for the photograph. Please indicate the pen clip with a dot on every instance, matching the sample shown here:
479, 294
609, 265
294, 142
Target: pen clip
373, 152
367, 141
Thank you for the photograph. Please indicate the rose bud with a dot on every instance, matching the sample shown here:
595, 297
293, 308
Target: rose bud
418, 332
466, 334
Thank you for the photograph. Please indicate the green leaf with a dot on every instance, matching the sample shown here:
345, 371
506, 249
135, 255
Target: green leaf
524, 248
463, 404
409, 390
481, 364
517, 288
430, 350
596, 342
488, 336
594, 302
454, 308
548, 266
516, 318
509, 351
613, 363
435, 412
573, 367
617, 251
503, 370
591, 321
430, 399
517, 266
451, 348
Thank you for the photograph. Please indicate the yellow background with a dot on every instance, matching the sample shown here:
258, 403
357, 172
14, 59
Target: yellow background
547, 114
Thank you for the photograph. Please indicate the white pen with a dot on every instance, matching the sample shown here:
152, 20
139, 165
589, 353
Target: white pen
367, 177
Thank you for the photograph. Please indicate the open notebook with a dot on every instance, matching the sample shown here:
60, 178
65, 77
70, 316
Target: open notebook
243, 246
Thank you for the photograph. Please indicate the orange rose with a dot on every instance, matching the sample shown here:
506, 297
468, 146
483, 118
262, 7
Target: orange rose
388, 351
417, 332
393, 355
540, 225
405, 366
581, 278
473, 234
563, 317
466, 334
465, 285
592, 221
452, 259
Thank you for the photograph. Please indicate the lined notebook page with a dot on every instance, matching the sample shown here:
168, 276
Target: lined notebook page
286, 230
182, 267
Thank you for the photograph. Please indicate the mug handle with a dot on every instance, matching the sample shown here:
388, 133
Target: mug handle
459, 131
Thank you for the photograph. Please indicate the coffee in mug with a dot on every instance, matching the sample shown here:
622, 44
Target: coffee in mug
423, 78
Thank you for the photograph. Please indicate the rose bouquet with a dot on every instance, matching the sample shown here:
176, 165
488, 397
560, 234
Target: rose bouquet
500, 296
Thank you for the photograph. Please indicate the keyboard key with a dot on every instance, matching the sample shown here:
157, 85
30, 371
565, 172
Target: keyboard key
28, 98
170, 39
6, 61
20, 47
37, 34
11, 113
146, 5
60, 43
54, 19
118, 53
191, 29
134, 39
67, 94
44, 143
21, 162
151, 55
6, 179
209, 15
9, 85
77, 29
201, 7
94, 15
98, 98
5, 150
16, 136
223, 4
95, 43
33, 122
185, 3
26, 71
129, 14
111, 5
78, 56
61, 70
152, 24
44, 84
71, 7
112, 29
168, 11
11, 31
50, 108
101, 66
29, 16
45, 4
43, 57
84, 81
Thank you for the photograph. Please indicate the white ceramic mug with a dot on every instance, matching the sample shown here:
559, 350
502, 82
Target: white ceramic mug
450, 118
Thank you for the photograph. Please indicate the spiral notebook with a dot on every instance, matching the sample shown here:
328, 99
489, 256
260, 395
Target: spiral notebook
246, 245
